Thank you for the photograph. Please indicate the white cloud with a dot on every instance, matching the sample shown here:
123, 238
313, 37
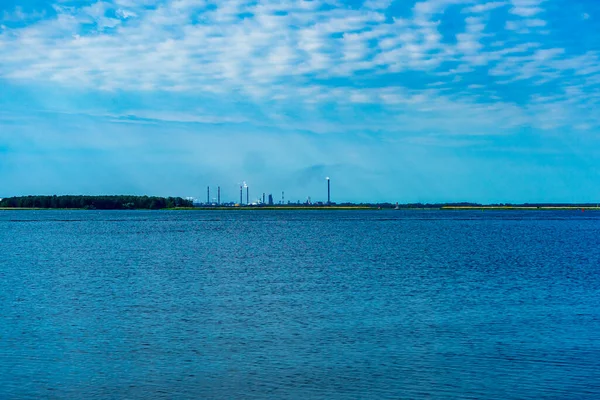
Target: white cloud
162, 49
125, 14
282, 51
484, 7
377, 4
526, 11
522, 26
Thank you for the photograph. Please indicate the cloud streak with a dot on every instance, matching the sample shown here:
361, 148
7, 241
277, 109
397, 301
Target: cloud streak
273, 50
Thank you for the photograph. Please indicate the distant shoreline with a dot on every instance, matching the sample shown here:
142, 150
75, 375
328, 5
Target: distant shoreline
329, 208
131, 202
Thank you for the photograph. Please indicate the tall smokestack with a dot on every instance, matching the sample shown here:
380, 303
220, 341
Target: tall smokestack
219, 195
263, 198
282, 197
328, 191
247, 195
241, 194
208, 195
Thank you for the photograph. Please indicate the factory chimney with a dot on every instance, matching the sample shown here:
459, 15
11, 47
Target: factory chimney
263, 198
219, 195
328, 191
208, 195
241, 194
247, 195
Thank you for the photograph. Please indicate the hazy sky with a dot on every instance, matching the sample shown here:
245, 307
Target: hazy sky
434, 100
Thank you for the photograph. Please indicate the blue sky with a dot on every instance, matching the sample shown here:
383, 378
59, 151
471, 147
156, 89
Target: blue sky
395, 100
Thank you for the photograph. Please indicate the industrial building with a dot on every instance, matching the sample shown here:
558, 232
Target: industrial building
266, 200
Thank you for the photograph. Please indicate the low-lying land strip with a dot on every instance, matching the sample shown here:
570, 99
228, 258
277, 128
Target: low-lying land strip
178, 203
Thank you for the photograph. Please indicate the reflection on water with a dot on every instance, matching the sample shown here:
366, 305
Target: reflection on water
299, 304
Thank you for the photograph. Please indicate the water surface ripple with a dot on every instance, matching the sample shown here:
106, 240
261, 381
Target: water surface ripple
277, 304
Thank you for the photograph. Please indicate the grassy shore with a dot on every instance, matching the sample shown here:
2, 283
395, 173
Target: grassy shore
444, 208
530, 208
290, 208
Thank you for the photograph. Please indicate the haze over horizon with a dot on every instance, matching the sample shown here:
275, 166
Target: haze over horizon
408, 101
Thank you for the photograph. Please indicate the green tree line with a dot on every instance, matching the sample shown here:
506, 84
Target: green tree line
96, 202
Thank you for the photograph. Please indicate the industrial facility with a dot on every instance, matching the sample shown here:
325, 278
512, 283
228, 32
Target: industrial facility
264, 200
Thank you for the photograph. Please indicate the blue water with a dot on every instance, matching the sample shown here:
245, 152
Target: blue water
276, 304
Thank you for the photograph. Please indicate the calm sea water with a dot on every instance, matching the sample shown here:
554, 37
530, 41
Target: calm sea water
382, 304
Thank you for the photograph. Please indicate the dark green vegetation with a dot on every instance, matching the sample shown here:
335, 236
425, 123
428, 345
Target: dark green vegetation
95, 202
